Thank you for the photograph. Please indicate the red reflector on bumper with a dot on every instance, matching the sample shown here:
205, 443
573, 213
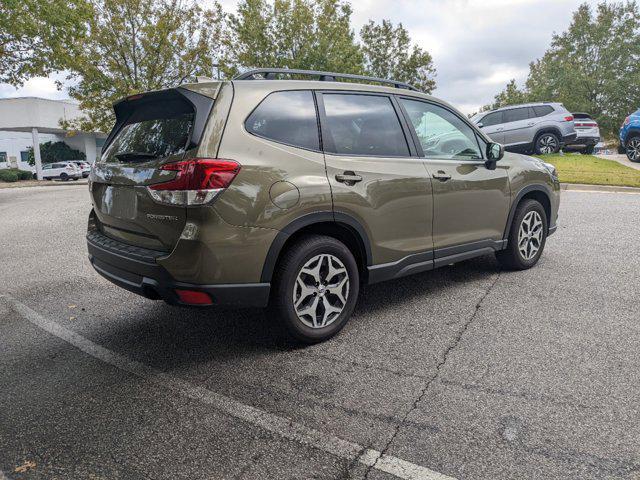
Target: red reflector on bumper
193, 297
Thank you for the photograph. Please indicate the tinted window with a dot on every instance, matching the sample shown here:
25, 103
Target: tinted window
364, 125
153, 130
516, 114
442, 134
492, 119
287, 117
543, 110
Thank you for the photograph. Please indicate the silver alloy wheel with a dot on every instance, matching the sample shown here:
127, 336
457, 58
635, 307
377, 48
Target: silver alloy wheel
530, 235
548, 144
321, 291
633, 149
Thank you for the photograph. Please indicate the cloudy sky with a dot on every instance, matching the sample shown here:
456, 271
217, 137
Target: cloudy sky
477, 45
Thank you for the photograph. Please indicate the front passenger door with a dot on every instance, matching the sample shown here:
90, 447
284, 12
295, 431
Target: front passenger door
470, 201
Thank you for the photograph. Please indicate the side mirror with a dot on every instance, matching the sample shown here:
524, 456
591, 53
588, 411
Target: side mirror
495, 152
479, 124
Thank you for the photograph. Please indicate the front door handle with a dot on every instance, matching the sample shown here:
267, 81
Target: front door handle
348, 178
443, 177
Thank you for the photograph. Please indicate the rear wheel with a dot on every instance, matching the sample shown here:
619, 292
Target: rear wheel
547, 143
527, 237
316, 288
633, 149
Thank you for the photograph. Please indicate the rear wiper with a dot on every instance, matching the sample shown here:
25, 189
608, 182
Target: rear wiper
124, 156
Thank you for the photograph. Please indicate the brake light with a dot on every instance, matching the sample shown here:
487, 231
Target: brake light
568, 118
586, 124
197, 182
627, 121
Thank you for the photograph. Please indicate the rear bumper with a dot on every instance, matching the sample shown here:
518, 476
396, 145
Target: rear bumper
135, 269
569, 139
587, 141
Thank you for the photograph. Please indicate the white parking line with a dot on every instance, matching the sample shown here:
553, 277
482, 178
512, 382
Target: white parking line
255, 416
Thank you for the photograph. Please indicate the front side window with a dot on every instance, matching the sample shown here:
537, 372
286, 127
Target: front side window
287, 117
516, 114
494, 118
442, 134
364, 125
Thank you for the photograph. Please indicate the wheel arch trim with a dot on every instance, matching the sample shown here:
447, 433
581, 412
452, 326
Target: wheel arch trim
305, 221
536, 187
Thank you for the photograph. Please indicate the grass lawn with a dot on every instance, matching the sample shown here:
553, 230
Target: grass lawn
576, 168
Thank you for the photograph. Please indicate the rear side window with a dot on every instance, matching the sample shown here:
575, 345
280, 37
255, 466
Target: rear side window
543, 110
287, 117
516, 114
492, 119
154, 129
364, 125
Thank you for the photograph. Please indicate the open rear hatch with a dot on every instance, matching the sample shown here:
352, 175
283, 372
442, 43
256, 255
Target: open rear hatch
151, 131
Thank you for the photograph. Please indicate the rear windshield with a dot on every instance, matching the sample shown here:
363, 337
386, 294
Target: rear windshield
152, 130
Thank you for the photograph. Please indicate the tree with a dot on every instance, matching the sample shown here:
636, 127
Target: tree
55, 152
305, 34
388, 54
31, 31
594, 66
131, 46
511, 95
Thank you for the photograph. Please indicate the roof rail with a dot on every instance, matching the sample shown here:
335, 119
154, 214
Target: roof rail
272, 73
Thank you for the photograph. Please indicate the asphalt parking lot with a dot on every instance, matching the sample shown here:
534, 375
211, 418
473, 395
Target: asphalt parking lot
465, 372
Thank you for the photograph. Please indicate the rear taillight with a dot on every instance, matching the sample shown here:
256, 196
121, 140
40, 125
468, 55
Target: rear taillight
568, 118
587, 125
627, 121
197, 182
193, 297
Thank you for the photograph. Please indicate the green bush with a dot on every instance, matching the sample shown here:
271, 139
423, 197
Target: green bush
8, 175
13, 175
24, 175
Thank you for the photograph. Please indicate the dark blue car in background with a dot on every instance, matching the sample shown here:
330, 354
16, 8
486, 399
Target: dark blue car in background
630, 136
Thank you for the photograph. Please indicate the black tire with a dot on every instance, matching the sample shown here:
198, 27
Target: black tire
75, 179
588, 150
34, 176
288, 269
546, 140
64, 177
512, 258
632, 148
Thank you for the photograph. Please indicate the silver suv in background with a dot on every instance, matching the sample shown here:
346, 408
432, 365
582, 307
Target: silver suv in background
540, 128
588, 134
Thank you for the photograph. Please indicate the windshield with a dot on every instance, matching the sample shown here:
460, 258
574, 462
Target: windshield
153, 130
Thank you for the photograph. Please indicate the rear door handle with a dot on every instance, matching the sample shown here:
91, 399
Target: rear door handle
348, 178
443, 177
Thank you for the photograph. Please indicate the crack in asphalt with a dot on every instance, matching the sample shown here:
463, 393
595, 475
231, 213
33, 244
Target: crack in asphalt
439, 365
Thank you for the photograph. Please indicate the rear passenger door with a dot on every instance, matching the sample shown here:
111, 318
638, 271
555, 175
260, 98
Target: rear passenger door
517, 126
374, 173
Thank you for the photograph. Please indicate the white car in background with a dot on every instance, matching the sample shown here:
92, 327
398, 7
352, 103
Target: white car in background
84, 166
61, 170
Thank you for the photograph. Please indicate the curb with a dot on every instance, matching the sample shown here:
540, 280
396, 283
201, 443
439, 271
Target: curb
11, 186
581, 187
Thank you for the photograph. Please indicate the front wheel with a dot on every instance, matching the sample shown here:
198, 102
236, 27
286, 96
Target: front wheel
527, 237
64, 177
316, 288
633, 149
547, 143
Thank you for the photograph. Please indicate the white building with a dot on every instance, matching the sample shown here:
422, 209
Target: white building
29, 121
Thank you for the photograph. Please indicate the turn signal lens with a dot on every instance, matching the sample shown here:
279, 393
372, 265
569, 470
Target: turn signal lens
197, 181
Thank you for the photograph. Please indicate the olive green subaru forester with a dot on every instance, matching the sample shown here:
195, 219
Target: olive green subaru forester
292, 193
